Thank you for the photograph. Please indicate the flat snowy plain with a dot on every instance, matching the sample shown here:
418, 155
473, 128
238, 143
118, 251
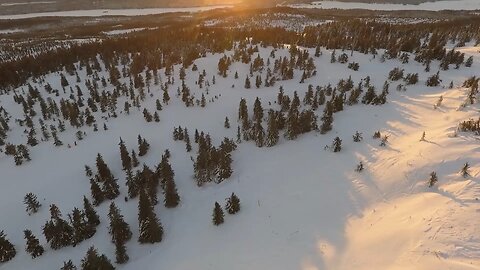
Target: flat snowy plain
110, 12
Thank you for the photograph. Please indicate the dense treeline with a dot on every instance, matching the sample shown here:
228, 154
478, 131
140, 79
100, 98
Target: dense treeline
155, 51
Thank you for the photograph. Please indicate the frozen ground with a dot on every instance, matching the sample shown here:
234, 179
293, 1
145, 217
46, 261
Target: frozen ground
302, 207
109, 12
439, 5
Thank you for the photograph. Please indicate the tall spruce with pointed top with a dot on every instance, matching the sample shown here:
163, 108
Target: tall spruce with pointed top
143, 146
110, 188
272, 130
93, 261
327, 118
233, 204
125, 156
33, 246
31, 203
90, 214
7, 249
118, 228
218, 215
150, 228
171, 198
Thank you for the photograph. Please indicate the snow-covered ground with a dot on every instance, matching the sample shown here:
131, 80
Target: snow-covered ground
11, 31
27, 3
110, 12
125, 31
302, 207
438, 5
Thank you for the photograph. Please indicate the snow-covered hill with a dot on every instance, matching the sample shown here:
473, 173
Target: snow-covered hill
302, 207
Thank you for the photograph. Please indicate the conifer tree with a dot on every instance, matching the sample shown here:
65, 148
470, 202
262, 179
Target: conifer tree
327, 118
272, 130
33, 246
218, 215
31, 203
68, 266
93, 261
7, 250
247, 83
143, 146
172, 198
90, 214
224, 166
465, 170
82, 229
227, 123
233, 204
357, 137
118, 228
135, 162
97, 193
121, 255
433, 179
150, 228
125, 156
57, 231
337, 145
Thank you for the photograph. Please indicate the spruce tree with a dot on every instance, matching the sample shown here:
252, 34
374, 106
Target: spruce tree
68, 266
150, 228
272, 130
57, 231
357, 137
433, 179
125, 156
90, 214
172, 198
33, 246
121, 255
135, 162
97, 193
82, 229
327, 118
218, 216
118, 228
337, 145
31, 203
465, 170
93, 261
233, 204
7, 250
227, 123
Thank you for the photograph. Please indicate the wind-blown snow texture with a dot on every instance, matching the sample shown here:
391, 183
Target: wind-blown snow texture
302, 207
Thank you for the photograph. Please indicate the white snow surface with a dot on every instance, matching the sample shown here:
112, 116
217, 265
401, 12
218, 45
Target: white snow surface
302, 207
435, 6
110, 12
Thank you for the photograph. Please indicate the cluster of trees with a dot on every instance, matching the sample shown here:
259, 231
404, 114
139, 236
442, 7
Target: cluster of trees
213, 164
232, 206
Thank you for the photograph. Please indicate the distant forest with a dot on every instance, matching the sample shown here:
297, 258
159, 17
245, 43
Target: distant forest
411, 2
63, 5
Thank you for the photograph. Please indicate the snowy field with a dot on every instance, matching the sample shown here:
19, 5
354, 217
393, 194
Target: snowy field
110, 12
302, 207
435, 6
